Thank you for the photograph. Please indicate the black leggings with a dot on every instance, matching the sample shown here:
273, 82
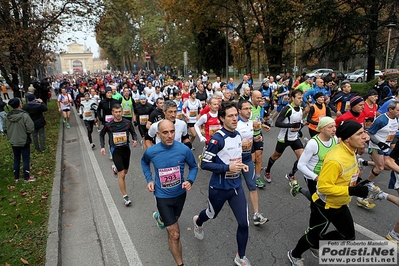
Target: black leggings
89, 126
320, 219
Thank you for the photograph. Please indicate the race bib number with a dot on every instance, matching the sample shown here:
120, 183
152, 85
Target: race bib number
126, 111
120, 138
246, 145
179, 115
88, 113
143, 119
347, 106
353, 180
213, 129
109, 118
169, 177
193, 113
391, 136
233, 175
257, 125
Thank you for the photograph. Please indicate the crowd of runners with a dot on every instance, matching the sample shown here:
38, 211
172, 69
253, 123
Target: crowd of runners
165, 116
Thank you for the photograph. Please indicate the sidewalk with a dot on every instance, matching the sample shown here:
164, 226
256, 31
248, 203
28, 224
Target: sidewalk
74, 234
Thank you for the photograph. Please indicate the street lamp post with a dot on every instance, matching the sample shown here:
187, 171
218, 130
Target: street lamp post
389, 26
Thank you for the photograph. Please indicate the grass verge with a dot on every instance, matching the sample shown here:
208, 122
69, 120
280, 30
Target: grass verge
24, 208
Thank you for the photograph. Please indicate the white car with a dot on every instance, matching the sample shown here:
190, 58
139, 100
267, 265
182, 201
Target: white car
359, 74
319, 72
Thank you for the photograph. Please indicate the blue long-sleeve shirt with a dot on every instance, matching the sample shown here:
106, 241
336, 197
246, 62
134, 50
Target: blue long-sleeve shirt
169, 162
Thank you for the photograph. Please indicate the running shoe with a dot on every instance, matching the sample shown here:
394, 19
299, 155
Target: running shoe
198, 231
295, 261
393, 237
64, 120
193, 149
157, 218
315, 252
142, 144
241, 262
259, 219
360, 161
68, 126
289, 178
374, 191
16, 180
267, 178
260, 183
31, 179
295, 188
200, 161
365, 203
114, 171
92, 145
127, 201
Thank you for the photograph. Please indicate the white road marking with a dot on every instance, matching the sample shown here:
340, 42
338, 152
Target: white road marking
124, 237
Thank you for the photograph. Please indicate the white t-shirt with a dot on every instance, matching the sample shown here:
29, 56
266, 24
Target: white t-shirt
192, 109
180, 130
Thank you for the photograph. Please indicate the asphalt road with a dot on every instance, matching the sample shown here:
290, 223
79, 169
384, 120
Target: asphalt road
129, 235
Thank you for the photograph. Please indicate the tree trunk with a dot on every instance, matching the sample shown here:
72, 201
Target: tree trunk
274, 54
372, 40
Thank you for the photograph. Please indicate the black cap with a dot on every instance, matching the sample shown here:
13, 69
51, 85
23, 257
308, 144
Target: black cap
14, 102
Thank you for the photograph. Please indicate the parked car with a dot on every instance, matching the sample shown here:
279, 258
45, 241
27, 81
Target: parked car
358, 75
320, 72
357, 71
390, 71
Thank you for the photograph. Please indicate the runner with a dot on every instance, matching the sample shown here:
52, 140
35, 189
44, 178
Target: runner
335, 186
170, 186
246, 130
142, 111
223, 157
170, 111
192, 109
313, 155
87, 111
257, 152
290, 122
118, 130
381, 133
65, 102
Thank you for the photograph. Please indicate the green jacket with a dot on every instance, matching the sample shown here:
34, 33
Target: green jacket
18, 125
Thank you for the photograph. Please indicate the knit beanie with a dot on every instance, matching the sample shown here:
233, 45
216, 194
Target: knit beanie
355, 100
347, 128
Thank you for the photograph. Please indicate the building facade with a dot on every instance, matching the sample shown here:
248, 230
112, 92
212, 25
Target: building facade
78, 59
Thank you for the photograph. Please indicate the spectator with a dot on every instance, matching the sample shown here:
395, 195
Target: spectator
4, 90
18, 127
35, 108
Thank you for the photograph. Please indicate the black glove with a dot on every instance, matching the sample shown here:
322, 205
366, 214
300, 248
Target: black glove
81, 116
359, 191
296, 125
383, 145
135, 123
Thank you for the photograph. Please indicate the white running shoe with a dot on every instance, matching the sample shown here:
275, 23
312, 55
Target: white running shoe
198, 231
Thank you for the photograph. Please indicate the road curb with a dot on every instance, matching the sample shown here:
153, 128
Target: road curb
53, 252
